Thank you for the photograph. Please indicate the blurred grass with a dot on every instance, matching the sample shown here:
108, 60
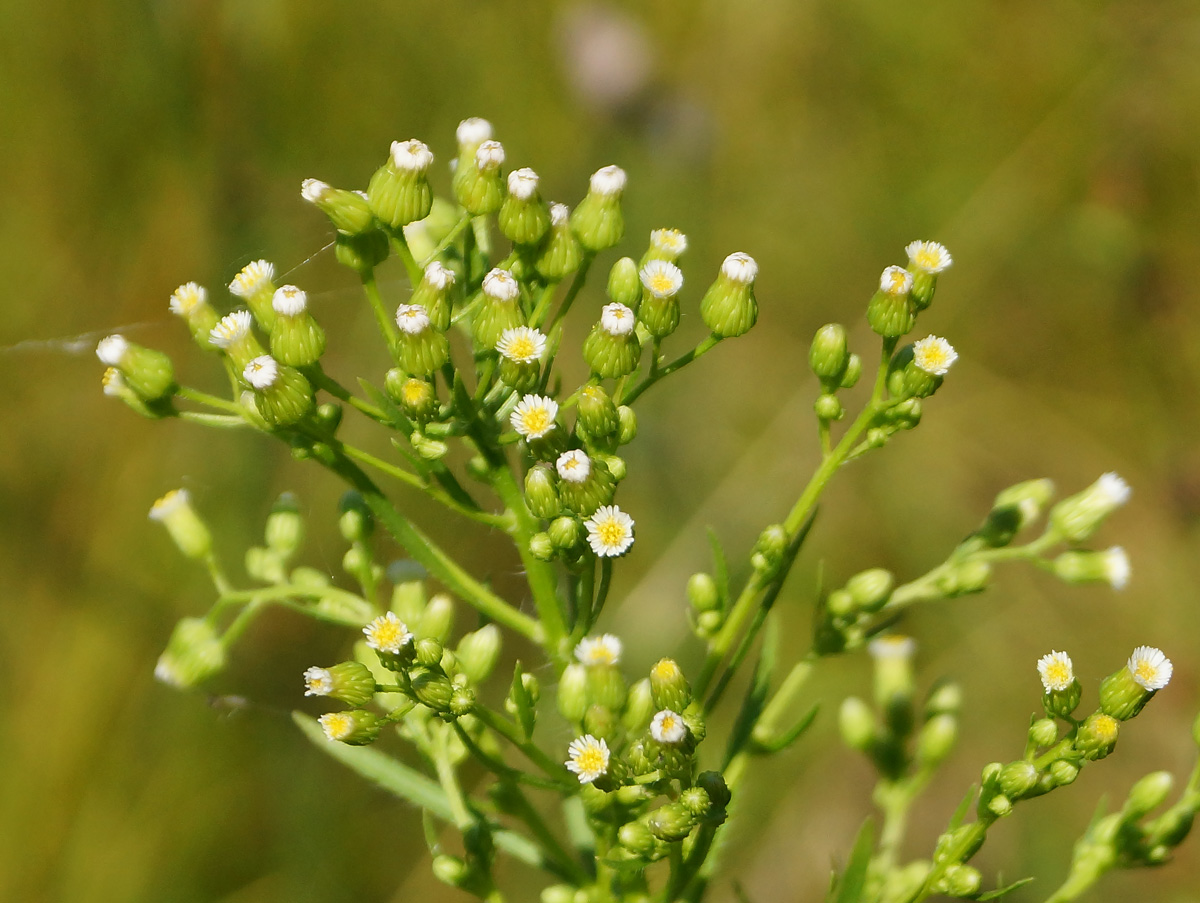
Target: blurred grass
1051, 145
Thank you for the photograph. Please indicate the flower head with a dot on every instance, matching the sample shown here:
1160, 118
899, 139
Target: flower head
318, 682
588, 758
312, 190
534, 416
253, 278
473, 131
1150, 668
560, 214
740, 267
489, 156
599, 650
187, 298
522, 183
617, 319
896, 281
1116, 567
262, 372
668, 241
111, 350
171, 502
387, 633
231, 328
928, 256
1112, 490
574, 466
662, 279
337, 725
439, 276
500, 285
411, 155
610, 531
289, 301
934, 355
113, 383
608, 180
1056, 671
522, 345
412, 318
668, 727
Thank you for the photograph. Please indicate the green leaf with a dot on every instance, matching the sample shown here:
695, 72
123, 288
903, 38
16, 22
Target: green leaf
720, 569
1001, 891
783, 741
756, 694
523, 702
853, 881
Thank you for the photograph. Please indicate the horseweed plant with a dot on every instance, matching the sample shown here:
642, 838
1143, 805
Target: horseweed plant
633, 807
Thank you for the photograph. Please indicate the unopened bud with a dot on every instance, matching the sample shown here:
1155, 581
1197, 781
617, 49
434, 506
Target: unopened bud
828, 356
624, 285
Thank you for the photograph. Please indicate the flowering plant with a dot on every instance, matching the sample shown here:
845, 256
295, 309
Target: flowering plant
616, 790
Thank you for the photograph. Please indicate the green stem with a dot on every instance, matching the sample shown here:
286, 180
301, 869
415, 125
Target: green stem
573, 291
400, 245
221, 404
680, 362
386, 325
324, 381
448, 778
543, 305
220, 421
511, 733
446, 242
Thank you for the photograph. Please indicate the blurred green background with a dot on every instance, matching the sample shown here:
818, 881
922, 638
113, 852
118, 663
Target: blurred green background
1051, 145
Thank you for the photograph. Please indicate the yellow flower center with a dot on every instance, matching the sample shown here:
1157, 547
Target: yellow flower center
387, 635
611, 532
1105, 728
414, 392
536, 421
927, 259
1058, 675
1145, 671
591, 760
521, 349
665, 670
661, 284
897, 280
338, 725
668, 724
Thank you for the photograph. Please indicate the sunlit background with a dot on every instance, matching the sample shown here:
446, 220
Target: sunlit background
1051, 145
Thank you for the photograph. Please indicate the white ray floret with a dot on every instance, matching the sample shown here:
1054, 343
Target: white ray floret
230, 328
534, 416
599, 650
312, 190
608, 180
574, 466
928, 256
501, 285
473, 131
668, 727
318, 682
896, 281
617, 319
253, 278
187, 298
387, 633
439, 276
1150, 668
588, 758
662, 279
522, 183
411, 155
262, 372
1056, 671
934, 355
111, 350
289, 301
610, 531
412, 318
522, 345
668, 241
740, 267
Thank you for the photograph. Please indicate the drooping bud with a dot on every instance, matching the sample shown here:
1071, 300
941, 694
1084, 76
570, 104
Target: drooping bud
729, 307
146, 372
1079, 516
347, 210
348, 682
1084, 566
399, 191
193, 654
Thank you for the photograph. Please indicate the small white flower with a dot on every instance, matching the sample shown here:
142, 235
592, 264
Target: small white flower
574, 466
411, 155
412, 318
1150, 668
1056, 671
522, 345
230, 328
617, 319
668, 241
253, 277
934, 355
608, 180
610, 531
473, 131
1112, 490
312, 190
668, 727
588, 758
560, 214
599, 650
489, 156
1116, 567
438, 276
522, 183
387, 633
662, 279
500, 285
113, 383
534, 416
337, 725
896, 281
318, 682
187, 298
175, 500
111, 350
928, 256
289, 301
740, 267
262, 372
166, 672
892, 646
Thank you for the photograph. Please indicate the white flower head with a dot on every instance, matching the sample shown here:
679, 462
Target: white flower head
289, 301
599, 650
113, 383
387, 633
438, 276
522, 183
473, 131
312, 190
231, 328
934, 355
175, 500
187, 298
662, 279
668, 727
740, 267
892, 646
928, 256
1056, 671
336, 725
1150, 668
318, 682
253, 278
608, 180
522, 345
411, 155
489, 156
668, 241
896, 281
534, 416
412, 318
111, 350
501, 285
610, 531
617, 319
262, 372
560, 214
1113, 490
1116, 567
588, 758
574, 466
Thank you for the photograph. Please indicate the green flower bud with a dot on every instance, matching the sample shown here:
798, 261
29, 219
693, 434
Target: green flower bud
695, 800
671, 822
540, 495
693, 719
255, 285
669, 687
1079, 566
437, 620
585, 483
541, 546
936, 739
708, 623
944, 699
1043, 733
628, 425
999, 805
451, 870
890, 311
1063, 772
606, 687
354, 728
147, 373
612, 348
189, 533
190, 302
853, 371
399, 191
624, 286
892, 657
296, 339
499, 308
265, 565
357, 562
361, 253
347, 210
903, 884
564, 532
600, 721
829, 408
597, 418
435, 292
1172, 827
926, 259
961, 881
428, 651
713, 784
841, 604
1147, 794
524, 217
639, 707
572, 694
636, 837
348, 682
828, 355
478, 652
702, 592
416, 397
598, 222
659, 310
282, 396
355, 521
420, 349
432, 688
769, 550
329, 416
462, 702
856, 722
1078, 517
729, 308
477, 182
116, 387
1124, 693
194, 653
1097, 736
1017, 779
971, 576
871, 589
1014, 509
561, 253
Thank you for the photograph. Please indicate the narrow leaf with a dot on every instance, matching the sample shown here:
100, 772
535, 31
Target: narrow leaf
854, 878
1001, 891
720, 568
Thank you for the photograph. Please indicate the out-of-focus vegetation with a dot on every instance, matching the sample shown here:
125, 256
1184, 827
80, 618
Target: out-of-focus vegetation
1052, 146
